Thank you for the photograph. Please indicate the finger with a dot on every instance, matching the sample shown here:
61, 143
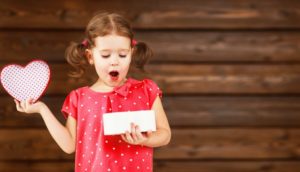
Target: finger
133, 132
23, 106
123, 137
139, 134
132, 128
31, 101
18, 106
27, 103
149, 133
16, 102
128, 137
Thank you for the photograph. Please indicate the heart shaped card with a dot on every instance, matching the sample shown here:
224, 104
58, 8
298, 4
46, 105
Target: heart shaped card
26, 82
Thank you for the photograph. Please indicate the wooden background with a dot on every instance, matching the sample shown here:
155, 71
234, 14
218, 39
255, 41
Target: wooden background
230, 71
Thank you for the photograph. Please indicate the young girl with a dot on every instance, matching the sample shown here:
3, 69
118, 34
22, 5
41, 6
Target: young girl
110, 48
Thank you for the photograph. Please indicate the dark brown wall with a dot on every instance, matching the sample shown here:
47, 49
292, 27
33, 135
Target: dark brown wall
230, 71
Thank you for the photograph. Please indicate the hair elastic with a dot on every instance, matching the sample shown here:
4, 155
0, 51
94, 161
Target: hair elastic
85, 43
133, 42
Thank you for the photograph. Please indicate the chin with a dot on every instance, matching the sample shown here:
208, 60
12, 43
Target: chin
115, 83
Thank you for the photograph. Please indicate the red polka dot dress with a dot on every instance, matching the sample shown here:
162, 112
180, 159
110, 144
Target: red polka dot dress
96, 152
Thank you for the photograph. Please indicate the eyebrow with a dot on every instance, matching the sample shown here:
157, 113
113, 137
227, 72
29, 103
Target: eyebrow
122, 49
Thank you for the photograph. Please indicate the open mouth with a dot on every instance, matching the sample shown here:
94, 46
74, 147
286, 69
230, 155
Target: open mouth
114, 75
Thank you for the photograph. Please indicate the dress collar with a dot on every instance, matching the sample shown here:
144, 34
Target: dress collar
126, 87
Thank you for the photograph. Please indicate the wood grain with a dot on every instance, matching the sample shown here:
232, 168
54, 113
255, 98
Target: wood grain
143, 14
198, 79
229, 71
167, 166
174, 47
190, 112
186, 144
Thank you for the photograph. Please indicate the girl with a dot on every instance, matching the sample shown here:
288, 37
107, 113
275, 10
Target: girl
109, 47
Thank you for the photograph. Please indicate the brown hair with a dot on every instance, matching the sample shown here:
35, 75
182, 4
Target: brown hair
100, 25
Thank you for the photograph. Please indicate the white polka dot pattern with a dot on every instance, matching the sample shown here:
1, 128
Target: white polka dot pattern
94, 150
26, 82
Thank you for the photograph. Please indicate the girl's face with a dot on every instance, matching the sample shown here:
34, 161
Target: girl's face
111, 57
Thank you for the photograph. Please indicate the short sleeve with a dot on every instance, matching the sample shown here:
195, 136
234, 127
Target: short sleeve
70, 105
153, 91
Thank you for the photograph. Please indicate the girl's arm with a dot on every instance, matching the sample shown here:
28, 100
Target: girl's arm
160, 137
63, 135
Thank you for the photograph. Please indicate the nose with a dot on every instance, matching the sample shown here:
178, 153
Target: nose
114, 60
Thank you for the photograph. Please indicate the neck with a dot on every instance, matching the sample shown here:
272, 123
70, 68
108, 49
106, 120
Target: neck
101, 86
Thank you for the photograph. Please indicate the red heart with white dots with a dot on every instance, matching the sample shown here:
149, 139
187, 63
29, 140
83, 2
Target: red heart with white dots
26, 82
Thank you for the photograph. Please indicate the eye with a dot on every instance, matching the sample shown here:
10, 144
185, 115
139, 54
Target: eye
105, 56
122, 55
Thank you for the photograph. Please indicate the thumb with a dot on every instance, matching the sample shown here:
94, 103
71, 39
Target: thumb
31, 100
149, 133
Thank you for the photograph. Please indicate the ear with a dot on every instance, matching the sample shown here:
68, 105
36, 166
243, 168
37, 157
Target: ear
89, 56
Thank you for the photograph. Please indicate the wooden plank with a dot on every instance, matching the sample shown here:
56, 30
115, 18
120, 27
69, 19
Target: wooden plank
199, 79
36, 166
202, 111
174, 47
167, 166
210, 111
227, 79
232, 166
209, 144
10, 118
177, 14
236, 143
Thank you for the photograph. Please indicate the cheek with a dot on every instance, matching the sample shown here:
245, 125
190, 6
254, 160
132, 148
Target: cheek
101, 72
127, 62
126, 65
100, 66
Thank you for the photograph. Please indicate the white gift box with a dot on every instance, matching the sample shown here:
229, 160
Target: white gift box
119, 122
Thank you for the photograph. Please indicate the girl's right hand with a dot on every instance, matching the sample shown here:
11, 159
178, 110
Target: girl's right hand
28, 106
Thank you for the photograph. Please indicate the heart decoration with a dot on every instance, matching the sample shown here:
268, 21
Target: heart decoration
26, 82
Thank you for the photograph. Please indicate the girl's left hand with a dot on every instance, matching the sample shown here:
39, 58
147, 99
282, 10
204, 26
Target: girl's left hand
28, 106
136, 137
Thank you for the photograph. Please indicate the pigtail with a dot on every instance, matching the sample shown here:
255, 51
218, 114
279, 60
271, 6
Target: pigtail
140, 56
75, 56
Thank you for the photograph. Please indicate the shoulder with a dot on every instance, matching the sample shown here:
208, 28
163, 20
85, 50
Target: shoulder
148, 81
148, 85
145, 82
76, 93
79, 91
